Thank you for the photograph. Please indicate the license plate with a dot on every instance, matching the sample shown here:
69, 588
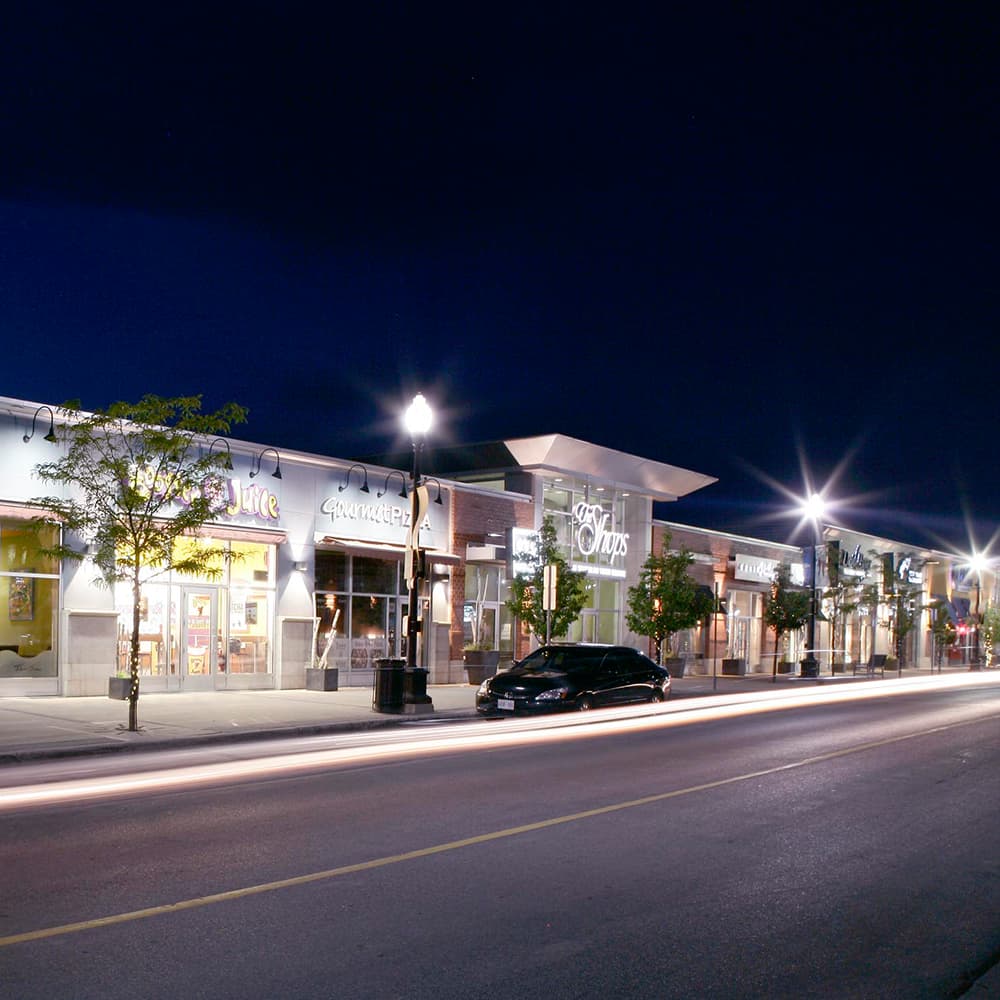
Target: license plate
505, 704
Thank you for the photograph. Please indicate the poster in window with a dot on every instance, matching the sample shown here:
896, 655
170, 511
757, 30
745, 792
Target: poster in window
21, 600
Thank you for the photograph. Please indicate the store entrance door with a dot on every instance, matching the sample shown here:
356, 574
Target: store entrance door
199, 638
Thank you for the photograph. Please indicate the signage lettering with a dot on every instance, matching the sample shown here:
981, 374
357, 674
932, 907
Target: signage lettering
372, 513
228, 496
592, 534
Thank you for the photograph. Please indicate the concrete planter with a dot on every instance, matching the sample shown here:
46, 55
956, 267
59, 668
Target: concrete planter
318, 679
119, 687
675, 665
734, 667
480, 664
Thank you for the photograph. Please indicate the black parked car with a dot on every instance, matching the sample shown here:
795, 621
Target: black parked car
573, 677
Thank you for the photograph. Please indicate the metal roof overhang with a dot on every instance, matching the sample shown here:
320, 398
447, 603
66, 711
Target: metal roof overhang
571, 457
383, 550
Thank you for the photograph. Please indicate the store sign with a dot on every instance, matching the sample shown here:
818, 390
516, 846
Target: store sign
853, 563
230, 497
907, 573
592, 534
353, 514
755, 568
522, 546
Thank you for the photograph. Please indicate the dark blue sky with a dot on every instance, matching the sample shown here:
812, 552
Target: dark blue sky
735, 240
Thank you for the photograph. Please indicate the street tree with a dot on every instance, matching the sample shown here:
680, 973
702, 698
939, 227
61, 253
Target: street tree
666, 599
526, 591
138, 480
786, 609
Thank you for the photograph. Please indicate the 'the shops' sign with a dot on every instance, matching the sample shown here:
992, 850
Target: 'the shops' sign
593, 536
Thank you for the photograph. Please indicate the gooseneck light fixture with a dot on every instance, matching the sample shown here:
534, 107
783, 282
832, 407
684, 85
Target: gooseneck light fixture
228, 463
402, 485
437, 499
347, 479
51, 436
277, 463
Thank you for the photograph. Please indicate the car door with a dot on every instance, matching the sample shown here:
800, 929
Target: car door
634, 676
614, 680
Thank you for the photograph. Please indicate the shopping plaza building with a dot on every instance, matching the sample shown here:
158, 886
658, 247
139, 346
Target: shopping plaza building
319, 573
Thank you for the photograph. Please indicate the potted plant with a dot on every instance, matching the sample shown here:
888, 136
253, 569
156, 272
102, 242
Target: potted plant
735, 666
785, 610
323, 677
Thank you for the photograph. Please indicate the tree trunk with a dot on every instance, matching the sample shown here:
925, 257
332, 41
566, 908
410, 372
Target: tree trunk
133, 694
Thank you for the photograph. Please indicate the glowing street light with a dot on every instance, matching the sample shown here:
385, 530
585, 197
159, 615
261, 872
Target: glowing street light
977, 564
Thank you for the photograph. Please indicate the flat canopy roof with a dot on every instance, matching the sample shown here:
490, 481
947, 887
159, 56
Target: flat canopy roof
562, 455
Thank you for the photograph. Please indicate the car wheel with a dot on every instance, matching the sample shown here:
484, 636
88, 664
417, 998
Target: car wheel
656, 695
584, 703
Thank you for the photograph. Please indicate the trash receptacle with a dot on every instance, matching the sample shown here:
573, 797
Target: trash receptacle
388, 696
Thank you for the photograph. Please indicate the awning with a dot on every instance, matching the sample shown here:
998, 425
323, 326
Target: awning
382, 550
235, 533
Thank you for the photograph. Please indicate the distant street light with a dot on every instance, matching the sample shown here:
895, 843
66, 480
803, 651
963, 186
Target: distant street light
977, 564
814, 508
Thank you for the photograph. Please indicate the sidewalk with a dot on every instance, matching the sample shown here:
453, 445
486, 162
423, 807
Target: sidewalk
47, 727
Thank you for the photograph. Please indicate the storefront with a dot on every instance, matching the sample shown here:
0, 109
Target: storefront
361, 597
309, 572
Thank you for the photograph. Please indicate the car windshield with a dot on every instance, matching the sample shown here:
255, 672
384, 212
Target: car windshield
568, 660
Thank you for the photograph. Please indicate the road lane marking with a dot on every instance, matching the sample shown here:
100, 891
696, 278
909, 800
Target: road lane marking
454, 845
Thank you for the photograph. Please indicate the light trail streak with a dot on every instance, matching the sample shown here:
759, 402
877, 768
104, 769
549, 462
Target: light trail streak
454, 845
462, 737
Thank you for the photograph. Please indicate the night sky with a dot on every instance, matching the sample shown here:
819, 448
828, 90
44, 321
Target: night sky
753, 240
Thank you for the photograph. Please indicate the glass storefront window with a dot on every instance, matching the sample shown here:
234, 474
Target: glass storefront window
29, 601
331, 571
20, 545
360, 594
374, 576
207, 626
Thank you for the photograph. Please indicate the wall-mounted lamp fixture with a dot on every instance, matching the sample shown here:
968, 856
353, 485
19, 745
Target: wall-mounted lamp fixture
300, 567
437, 499
277, 463
347, 479
51, 436
229, 454
402, 488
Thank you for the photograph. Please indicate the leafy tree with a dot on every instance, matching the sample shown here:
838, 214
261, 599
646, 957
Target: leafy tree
844, 599
666, 599
137, 478
941, 629
989, 631
526, 592
785, 609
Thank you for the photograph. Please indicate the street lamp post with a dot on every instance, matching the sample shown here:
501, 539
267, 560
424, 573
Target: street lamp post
977, 564
813, 509
417, 420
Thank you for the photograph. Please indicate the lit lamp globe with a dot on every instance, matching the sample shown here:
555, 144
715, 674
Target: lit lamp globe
418, 417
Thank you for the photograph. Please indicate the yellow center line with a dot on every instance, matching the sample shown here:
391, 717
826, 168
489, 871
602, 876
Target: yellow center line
454, 845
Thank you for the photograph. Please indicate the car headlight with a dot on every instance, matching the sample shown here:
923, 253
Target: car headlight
484, 688
553, 694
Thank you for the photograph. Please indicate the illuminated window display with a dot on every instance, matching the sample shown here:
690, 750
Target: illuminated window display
29, 599
205, 632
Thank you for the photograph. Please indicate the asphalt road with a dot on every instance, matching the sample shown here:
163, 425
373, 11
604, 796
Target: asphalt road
839, 849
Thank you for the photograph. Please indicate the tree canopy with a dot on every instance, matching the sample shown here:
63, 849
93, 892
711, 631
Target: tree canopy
138, 478
666, 599
526, 591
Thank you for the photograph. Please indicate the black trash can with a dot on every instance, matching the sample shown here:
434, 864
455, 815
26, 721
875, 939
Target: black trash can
388, 696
